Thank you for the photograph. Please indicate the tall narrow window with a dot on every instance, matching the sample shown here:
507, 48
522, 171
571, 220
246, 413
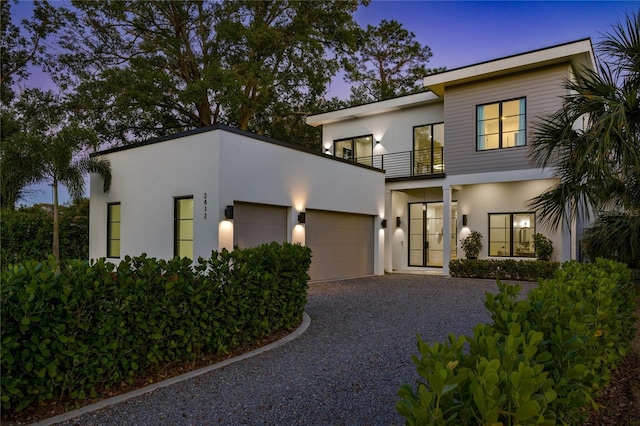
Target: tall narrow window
511, 234
359, 149
501, 125
183, 245
428, 149
113, 230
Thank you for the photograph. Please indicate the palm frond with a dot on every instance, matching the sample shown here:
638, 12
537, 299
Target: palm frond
102, 167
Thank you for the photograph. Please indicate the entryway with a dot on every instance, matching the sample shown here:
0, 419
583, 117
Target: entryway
426, 237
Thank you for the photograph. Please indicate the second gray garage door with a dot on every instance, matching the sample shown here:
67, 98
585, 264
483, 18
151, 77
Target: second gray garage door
255, 224
341, 244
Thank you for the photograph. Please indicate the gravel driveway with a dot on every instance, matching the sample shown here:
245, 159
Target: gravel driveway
345, 369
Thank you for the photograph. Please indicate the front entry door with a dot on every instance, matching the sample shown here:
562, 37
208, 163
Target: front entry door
426, 234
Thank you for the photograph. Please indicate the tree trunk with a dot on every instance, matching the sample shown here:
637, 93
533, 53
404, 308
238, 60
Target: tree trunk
56, 230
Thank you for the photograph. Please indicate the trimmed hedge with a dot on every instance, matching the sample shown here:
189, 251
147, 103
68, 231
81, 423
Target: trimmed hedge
27, 233
507, 269
95, 325
541, 360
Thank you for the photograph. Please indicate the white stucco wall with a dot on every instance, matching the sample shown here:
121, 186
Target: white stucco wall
394, 129
145, 181
227, 167
477, 201
259, 172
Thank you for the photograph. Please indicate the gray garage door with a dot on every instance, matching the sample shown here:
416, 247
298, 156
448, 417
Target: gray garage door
341, 243
255, 224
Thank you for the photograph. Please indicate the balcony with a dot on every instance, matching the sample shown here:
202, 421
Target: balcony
418, 164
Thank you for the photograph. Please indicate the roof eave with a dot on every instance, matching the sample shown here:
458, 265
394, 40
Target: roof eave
402, 102
579, 53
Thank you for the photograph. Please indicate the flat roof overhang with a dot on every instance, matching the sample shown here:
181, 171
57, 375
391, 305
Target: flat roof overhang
394, 104
578, 53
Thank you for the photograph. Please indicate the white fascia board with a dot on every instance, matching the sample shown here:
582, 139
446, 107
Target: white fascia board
579, 53
373, 108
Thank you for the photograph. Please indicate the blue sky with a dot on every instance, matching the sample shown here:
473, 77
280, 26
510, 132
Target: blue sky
463, 33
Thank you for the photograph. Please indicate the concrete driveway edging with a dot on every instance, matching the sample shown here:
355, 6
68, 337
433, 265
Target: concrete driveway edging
306, 321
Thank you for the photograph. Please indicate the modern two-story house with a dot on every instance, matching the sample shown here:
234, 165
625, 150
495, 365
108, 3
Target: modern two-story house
456, 157
398, 184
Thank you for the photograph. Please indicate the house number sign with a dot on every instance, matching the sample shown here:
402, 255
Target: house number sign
204, 199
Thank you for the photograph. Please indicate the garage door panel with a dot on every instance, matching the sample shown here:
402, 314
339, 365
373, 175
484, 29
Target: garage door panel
353, 253
255, 224
341, 244
338, 270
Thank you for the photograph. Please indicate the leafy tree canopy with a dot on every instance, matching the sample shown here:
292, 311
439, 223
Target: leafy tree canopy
22, 45
149, 68
389, 62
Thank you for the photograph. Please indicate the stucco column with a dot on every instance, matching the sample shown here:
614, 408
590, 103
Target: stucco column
446, 222
388, 258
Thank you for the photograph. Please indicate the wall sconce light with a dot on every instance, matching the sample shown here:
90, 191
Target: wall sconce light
377, 142
464, 220
228, 212
398, 222
327, 151
302, 217
383, 224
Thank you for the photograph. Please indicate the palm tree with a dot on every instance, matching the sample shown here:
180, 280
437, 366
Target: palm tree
58, 144
598, 166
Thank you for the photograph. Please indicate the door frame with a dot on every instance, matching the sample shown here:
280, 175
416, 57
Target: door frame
425, 237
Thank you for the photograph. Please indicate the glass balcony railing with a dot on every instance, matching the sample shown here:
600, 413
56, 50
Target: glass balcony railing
407, 164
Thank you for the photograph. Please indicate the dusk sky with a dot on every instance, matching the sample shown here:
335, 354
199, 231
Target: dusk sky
464, 33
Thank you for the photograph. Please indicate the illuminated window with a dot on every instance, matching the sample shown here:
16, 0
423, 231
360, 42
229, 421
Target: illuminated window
113, 230
501, 125
428, 149
359, 149
511, 234
183, 244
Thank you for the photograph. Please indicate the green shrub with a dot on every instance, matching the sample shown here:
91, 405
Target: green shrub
92, 326
540, 361
542, 246
472, 244
507, 269
27, 233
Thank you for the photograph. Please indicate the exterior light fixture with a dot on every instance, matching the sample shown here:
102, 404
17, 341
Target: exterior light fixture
327, 151
228, 212
464, 220
302, 217
377, 142
398, 222
383, 224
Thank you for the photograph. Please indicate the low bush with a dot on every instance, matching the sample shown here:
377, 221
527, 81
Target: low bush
27, 233
507, 269
541, 360
92, 326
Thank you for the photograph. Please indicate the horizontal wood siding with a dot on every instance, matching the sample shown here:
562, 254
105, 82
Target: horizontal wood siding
543, 89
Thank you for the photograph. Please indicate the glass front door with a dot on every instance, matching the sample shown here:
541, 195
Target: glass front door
426, 237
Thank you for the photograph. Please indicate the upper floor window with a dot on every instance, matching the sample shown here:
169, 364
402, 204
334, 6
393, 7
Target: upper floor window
113, 230
501, 124
511, 234
183, 242
428, 149
358, 149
